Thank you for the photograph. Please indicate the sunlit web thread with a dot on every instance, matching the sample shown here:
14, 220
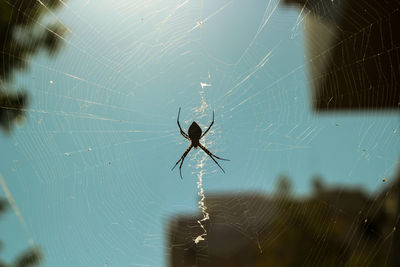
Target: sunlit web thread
202, 206
16, 210
201, 203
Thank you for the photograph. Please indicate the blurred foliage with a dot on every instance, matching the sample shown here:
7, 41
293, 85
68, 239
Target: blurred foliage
12, 108
283, 186
22, 35
331, 228
3, 206
29, 258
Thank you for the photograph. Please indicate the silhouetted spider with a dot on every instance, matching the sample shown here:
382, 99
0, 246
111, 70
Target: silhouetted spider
194, 135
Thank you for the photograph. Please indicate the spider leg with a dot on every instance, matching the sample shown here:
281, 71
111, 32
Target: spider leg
211, 155
209, 127
181, 160
220, 158
180, 128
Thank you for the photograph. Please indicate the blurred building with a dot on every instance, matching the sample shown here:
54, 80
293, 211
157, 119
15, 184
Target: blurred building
353, 53
332, 227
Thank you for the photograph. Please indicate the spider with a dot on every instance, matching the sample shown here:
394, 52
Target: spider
194, 135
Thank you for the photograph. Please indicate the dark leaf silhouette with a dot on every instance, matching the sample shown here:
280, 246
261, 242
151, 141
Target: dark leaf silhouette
20, 38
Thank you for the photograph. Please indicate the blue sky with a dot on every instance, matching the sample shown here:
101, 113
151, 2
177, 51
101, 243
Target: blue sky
90, 170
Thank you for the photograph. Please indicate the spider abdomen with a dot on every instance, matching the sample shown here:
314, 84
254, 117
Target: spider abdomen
194, 133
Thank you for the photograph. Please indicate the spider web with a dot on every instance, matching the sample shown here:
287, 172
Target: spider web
89, 170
